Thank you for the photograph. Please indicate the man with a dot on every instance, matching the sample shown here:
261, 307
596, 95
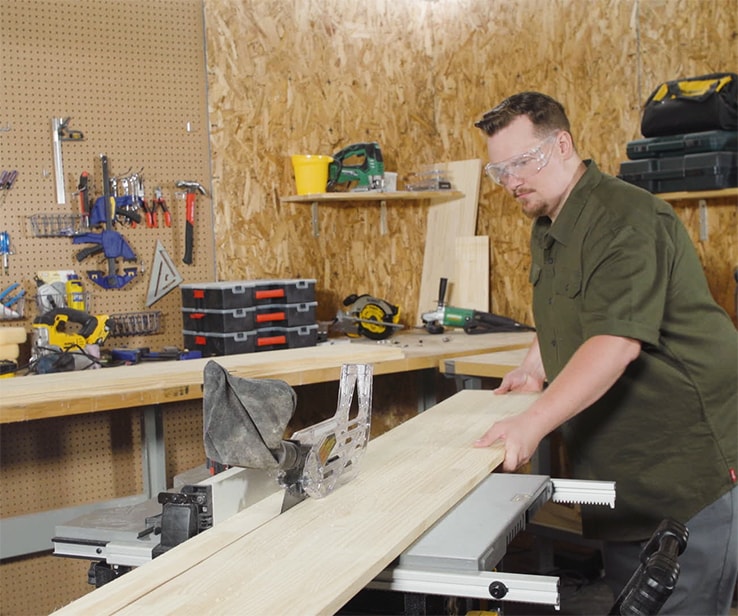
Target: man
641, 363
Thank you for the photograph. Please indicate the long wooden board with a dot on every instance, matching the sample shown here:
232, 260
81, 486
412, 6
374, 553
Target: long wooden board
313, 558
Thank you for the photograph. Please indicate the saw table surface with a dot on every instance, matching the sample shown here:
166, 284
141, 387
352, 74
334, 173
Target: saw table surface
313, 558
69, 393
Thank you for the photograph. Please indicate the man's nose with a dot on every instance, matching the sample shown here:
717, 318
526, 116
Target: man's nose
510, 182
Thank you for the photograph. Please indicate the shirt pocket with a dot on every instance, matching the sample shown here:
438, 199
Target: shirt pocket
535, 274
568, 282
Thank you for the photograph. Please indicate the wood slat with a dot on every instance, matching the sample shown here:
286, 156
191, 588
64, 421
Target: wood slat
447, 221
315, 557
471, 273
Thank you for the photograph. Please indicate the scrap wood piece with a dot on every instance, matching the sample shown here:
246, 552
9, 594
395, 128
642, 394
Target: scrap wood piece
448, 220
471, 273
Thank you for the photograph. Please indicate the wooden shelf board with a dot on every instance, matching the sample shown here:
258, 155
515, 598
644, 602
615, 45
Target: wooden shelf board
401, 195
700, 194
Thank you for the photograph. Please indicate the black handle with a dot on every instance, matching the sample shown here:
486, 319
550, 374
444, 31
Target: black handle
189, 238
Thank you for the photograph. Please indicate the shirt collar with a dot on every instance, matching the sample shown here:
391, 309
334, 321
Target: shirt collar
563, 226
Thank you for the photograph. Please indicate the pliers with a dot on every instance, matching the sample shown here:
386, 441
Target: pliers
159, 202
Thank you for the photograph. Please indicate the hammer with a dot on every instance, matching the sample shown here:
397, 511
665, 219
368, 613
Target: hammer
192, 189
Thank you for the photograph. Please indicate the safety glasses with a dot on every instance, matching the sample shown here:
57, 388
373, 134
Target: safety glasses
522, 166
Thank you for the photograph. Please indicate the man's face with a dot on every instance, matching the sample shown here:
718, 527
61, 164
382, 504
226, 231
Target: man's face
527, 166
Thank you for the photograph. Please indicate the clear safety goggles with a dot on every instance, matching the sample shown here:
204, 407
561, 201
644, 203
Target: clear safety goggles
522, 166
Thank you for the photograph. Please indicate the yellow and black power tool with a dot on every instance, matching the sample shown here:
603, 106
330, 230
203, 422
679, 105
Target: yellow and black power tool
55, 337
368, 316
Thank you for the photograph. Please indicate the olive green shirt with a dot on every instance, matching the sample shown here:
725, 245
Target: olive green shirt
618, 261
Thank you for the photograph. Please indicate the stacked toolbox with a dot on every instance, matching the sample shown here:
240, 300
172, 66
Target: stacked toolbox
227, 318
688, 162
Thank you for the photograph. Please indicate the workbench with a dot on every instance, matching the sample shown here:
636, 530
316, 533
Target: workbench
469, 370
152, 386
69, 393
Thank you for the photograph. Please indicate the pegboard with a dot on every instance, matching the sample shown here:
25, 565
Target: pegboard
131, 77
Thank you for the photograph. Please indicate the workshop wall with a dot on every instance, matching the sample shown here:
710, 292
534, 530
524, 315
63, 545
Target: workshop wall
313, 77
133, 87
305, 76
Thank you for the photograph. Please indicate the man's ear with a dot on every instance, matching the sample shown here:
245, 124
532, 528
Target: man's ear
565, 145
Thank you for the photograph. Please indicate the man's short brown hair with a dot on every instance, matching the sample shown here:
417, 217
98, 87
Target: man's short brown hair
546, 113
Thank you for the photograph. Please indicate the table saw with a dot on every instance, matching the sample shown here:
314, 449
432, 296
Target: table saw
426, 513
455, 557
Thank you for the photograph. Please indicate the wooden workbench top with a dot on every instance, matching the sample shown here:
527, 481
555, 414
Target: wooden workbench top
70, 393
493, 365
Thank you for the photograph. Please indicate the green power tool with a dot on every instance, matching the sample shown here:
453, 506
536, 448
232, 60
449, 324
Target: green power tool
359, 166
472, 321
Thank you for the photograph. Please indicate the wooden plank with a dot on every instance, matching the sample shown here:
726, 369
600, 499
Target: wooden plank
471, 273
492, 365
447, 221
317, 555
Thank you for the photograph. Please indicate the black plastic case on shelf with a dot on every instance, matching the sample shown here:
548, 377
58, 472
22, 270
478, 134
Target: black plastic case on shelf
692, 172
687, 143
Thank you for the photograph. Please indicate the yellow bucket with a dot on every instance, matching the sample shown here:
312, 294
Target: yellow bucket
311, 173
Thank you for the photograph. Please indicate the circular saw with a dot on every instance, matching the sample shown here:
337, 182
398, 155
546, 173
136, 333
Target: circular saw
368, 316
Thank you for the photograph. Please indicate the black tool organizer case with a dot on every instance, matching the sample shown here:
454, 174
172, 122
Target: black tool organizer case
691, 172
687, 143
244, 316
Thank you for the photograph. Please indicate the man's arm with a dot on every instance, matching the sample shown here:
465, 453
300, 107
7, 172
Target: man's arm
590, 372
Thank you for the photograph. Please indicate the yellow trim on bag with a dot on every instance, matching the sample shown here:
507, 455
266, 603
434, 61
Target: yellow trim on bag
691, 88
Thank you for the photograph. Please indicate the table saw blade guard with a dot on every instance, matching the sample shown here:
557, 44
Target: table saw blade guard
244, 420
337, 444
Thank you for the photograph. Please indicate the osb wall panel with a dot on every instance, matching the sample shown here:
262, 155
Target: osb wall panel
312, 77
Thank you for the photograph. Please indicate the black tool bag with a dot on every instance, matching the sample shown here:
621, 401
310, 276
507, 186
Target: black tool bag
693, 104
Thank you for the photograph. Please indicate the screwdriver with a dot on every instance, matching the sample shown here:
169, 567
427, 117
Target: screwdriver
5, 249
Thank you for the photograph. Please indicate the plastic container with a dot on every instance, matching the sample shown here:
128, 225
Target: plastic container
247, 319
269, 339
76, 297
247, 293
311, 173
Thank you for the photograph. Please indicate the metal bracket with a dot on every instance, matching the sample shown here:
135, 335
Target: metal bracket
383, 217
314, 215
702, 208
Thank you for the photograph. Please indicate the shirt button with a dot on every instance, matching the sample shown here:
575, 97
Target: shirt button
553, 343
549, 261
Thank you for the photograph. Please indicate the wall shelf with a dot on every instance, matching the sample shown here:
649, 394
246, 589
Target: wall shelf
352, 198
699, 194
